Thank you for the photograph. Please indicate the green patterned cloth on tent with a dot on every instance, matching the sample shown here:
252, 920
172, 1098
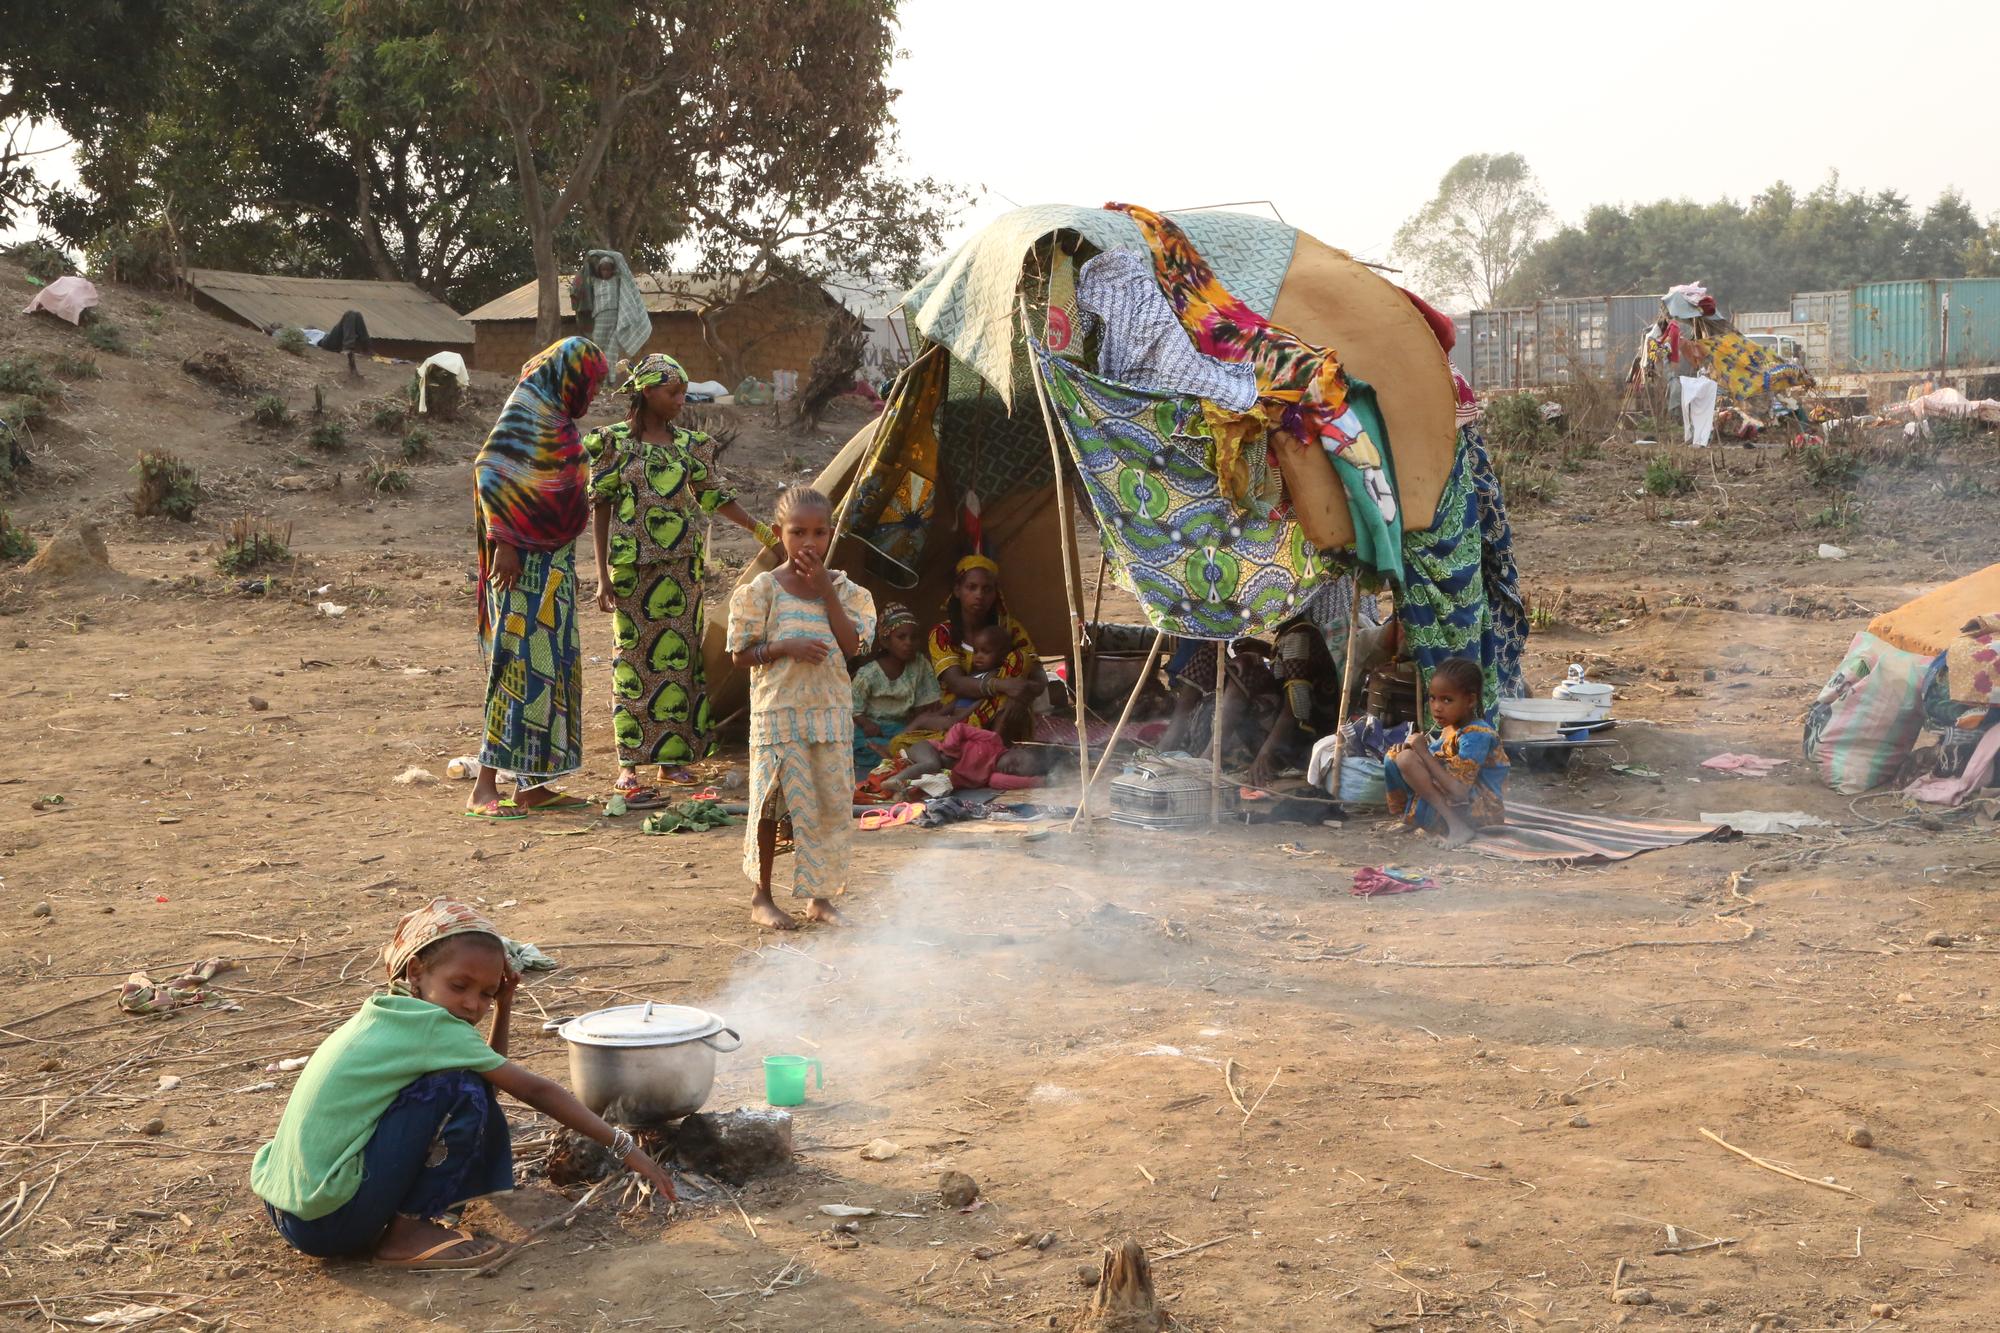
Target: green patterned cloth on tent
1199, 567
892, 505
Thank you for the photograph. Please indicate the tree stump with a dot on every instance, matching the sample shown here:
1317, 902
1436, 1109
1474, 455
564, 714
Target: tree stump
1124, 1300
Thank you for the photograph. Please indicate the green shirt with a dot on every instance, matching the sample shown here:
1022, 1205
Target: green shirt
313, 1164
660, 495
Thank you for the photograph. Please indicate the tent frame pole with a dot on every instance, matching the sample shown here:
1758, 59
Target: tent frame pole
1346, 684
1071, 588
1131, 702
1215, 735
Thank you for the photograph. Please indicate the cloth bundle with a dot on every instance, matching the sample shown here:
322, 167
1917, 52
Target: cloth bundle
142, 995
1373, 882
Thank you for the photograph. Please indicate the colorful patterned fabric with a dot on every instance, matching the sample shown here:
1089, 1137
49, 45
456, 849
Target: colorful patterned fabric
1744, 371
893, 502
534, 671
792, 700
1461, 597
812, 784
654, 368
893, 616
660, 496
1972, 664
889, 703
1200, 569
970, 302
946, 654
142, 995
438, 919
1143, 344
1472, 754
529, 487
620, 322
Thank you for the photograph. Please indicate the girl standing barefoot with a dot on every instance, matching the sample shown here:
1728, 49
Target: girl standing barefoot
793, 628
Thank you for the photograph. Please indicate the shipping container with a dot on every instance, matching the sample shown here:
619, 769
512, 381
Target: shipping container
1834, 310
1590, 337
1926, 324
1757, 321
1461, 347
1503, 349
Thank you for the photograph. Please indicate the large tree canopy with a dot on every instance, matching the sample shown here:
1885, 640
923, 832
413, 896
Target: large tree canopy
1466, 243
1754, 256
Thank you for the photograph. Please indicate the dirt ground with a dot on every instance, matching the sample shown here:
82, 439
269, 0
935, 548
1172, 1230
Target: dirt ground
1476, 1108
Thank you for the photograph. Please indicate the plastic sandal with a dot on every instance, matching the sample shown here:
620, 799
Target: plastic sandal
428, 1262
494, 810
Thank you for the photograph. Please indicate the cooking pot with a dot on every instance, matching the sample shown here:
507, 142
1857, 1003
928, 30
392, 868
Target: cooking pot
1541, 719
643, 1064
1576, 688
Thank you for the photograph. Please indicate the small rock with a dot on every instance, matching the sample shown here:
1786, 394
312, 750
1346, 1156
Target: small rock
1633, 1296
848, 1228
41, 909
735, 1145
958, 1190
153, 1128
416, 777
1859, 1136
881, 1150
48, 1064
1569, 1099
293, 482
1086, 1275
20, 643
1579, 1121
1045, 1240
1677, 1022
1882, 1310
984, 1252
1938, 939
837, 1242
168, 1082
731, 779
258, 705
1472, 1242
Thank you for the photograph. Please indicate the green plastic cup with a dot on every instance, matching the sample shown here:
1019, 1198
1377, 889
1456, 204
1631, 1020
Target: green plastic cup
785, 1079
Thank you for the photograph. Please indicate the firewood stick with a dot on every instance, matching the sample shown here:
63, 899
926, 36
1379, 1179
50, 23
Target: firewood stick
1752, 1158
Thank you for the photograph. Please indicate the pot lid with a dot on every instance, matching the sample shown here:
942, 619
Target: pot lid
647, 1024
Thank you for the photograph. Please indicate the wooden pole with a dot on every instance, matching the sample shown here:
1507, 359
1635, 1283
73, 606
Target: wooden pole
1072, 590
1097, 607
1131, 702
1346, 683
1215, 735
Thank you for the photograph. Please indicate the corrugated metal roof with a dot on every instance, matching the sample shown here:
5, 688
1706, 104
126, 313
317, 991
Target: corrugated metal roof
665, 293
396, 311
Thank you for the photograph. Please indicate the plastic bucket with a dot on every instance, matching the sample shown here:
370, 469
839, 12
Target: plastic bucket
785, 1079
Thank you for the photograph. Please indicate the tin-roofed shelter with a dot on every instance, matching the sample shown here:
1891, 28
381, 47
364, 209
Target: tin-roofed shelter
780, 326
404, 320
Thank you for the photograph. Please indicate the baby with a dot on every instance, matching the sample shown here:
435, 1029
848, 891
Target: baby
990, 647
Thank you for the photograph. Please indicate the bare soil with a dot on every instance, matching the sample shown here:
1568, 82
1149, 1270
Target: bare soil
1450, 1110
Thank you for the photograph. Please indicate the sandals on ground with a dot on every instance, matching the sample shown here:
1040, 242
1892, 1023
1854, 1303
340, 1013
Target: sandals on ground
494, 810
435, 1259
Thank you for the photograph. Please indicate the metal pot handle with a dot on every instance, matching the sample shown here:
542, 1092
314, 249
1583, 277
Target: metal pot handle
709, 1041
553, 1024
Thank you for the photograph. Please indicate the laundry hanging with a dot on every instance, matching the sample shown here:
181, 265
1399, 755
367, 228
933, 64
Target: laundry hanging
1143, 343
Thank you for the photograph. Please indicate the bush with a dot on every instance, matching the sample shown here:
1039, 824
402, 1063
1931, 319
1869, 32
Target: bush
417, 445
105, 336
292, 341
387, 416
1665, 477
251, 545
76, 366
1830, 467
381, 477
1515, 421
44, 260
166, 486
270, 410
1523, 479
328, 437
14, 543
139, 255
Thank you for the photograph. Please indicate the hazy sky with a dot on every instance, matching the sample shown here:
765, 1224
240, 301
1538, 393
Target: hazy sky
1346, 115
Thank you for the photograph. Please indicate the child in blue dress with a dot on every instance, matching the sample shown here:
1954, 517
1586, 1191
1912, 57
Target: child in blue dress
1452, 785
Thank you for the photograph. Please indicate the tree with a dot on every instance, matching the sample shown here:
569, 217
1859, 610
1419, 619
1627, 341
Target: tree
1474, 233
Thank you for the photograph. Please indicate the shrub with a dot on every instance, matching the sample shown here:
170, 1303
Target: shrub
1524, 479
1665, 477
292, 341
1515, 421
14, 543
328, 437
251, 544
24, 377
1830, 467
381, 477
13, 454
417, 445
76, 366
44, 260
105, 336
270, 410
387, 415
141, 254
166, 486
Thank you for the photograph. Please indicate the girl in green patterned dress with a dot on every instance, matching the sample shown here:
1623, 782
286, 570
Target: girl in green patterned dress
652, 494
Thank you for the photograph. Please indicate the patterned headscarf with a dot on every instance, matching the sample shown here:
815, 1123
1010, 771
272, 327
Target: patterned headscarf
530, 482
893, 616
439, 919
654, 368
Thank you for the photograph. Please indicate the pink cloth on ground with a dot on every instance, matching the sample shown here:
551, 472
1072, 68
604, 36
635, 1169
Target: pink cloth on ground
1749, 765
1953, 791
971, 751
1011, 782
66, 298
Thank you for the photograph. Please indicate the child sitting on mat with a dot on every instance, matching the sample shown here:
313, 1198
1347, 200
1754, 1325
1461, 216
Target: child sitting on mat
891, 688
1452, 784
396, 1122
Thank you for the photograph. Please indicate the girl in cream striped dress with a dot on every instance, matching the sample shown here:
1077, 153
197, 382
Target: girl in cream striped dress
793, 628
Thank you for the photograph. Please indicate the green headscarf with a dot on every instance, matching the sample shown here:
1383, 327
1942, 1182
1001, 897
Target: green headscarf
654, 368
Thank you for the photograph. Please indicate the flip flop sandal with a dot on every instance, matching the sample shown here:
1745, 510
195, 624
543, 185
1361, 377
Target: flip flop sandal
679, 777
485, 1252
562, 803
644, 798
500, 811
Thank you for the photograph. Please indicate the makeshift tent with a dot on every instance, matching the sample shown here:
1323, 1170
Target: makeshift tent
969, 416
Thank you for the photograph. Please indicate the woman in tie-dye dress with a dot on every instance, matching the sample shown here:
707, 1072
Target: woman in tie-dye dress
531, 500
652, 492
